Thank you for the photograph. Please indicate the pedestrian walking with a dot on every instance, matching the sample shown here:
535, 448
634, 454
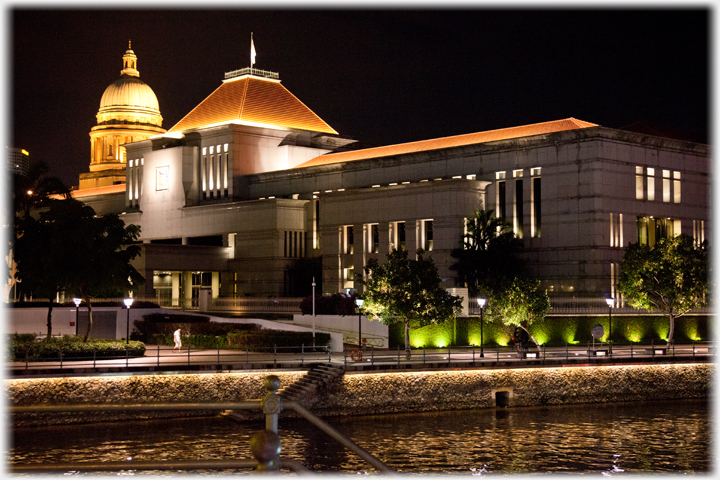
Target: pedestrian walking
178, 343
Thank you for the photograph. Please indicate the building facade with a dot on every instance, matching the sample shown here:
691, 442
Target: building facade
252, 185
18, 160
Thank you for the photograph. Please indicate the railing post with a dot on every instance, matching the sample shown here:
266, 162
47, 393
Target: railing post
398, 353
274, 354
60, 359
497, 358
693, 347
588, 350
158, 355
449, 359
345, 357
127, 357
566, 351
26, 359
631, 350
652, 347
302, 354
544, 354
473, 347
271, 403
372, 354
265, 446
329, 354
247, 357
423, 353
93, 357
188, 355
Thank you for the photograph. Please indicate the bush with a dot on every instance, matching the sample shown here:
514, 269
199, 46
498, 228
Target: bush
72, 347
161, 324
267, 339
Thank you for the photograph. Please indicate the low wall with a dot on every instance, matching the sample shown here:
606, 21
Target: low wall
372, 393
374, 333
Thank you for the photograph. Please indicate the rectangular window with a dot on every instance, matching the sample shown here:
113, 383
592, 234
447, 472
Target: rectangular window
203, 167
651, 229
427, 235
616, 234
349, 277
639, 183
651, 184
535, 212
316, 223
666, 186
501, 211
374, 242
676, 187
518, 214
349, 239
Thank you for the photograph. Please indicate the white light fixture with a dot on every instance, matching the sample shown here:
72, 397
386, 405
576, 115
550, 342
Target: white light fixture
128, 302
77, 301
609, 301
481, 302
359, 302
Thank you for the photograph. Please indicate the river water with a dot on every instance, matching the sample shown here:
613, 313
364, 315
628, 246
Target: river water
609, 439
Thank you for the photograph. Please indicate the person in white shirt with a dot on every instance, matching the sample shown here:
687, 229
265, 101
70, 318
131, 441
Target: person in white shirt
178, 343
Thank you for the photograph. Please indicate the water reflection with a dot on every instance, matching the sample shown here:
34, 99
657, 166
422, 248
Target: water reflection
607, 439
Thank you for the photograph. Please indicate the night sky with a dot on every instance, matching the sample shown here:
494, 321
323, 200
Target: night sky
380, 76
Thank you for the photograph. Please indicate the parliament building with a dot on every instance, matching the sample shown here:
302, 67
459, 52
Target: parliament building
252, 186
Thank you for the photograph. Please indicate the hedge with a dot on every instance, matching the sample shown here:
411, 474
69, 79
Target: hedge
555, 331
71, 347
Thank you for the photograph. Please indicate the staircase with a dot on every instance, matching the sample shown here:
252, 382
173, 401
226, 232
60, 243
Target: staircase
313, 382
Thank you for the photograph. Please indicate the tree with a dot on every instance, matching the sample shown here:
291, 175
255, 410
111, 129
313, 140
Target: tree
671, 277
487, 261
70, 248
521, 304
408, 291
38, 251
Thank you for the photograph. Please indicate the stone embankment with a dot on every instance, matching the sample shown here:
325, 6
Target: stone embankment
371, 393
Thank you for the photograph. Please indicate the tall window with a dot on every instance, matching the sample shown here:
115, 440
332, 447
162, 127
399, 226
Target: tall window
500, 200
536, 218
676, 187
639, 184
518, 204
666, 185
616, 233
651, 184
427, 232
396, 236
374, 239
349, 239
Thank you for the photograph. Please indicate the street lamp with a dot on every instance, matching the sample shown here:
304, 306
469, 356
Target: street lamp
313, 296
359, 302
481, 302
610, 301
77, 312
128, 302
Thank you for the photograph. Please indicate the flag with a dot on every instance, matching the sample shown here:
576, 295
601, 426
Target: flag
252, 51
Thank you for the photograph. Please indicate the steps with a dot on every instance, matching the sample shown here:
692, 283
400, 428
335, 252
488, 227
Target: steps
312, 383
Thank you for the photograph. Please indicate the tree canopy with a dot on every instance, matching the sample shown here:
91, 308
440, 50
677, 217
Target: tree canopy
408, 291
488, 259
521, 304
69, 248
670, 277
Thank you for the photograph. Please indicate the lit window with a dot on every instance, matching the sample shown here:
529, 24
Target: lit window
651, 229
666, 185
204, 150
639, 183
225, 147
427, 233
536, 203
396, 235
499, 175
651, 184
212, 150
676, 187
517, 173
349, 239
470, 177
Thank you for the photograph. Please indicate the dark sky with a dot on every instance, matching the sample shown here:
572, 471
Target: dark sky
380, 76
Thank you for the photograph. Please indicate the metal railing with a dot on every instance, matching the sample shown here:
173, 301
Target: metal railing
589, 306
162, 356
256, 305
512, 354
265, 445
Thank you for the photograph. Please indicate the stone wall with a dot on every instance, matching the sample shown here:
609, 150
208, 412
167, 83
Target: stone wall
371, 393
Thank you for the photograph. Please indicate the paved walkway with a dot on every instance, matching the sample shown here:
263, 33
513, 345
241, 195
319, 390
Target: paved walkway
163, 358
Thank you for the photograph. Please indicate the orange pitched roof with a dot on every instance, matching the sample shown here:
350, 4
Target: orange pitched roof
448, 142
255, 100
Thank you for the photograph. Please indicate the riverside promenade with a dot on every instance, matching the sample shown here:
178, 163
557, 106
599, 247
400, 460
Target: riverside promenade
163, 359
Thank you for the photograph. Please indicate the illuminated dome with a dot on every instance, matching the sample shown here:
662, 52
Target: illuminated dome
129, 112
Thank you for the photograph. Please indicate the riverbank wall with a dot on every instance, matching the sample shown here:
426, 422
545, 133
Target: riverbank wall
368, 393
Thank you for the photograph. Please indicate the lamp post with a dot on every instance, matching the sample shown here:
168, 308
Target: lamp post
481, 302
77, 312
313, 295
359, 302
128, 302
610, 301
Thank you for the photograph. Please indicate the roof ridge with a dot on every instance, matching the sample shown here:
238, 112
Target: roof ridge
195, 108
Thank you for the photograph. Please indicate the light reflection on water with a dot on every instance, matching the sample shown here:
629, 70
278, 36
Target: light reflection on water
649, 438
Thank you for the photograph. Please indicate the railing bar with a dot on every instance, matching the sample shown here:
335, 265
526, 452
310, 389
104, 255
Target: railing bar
243, 405
365, 455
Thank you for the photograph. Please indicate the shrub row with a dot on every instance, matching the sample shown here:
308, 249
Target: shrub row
555, 331
25, 346
256, 341
166, 324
